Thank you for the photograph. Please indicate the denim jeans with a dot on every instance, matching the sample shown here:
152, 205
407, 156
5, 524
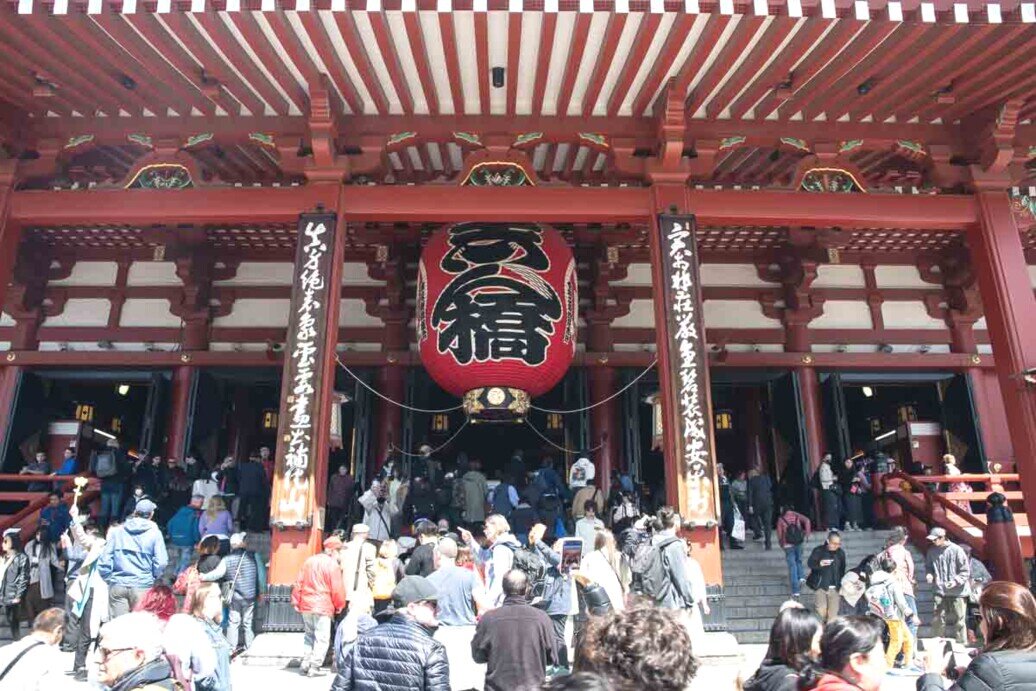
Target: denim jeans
793, 554
315, 640
183, 559
912, 624
111, 504
240, 616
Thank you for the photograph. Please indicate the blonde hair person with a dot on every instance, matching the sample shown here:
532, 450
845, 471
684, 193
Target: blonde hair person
604, 566
216, 519
386, 574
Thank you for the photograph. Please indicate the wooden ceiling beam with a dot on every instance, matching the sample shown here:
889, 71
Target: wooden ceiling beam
482, 59
921, 54
448, 34
155, 34
576, 50
390, 56
780, 69
514, 49
314, 28
152, 60
214, 65
633, 61
737, 43
347, 28
605, 55
546, 50
237, 56
839, 95
818, 57
246, 25
415, 36
678, 34
748, 72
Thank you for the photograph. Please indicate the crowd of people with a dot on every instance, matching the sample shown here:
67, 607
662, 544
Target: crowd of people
435, 576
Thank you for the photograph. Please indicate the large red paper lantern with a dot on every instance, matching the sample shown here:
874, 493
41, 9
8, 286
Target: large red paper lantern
496, 309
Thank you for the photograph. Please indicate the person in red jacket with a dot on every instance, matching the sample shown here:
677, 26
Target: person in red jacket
319, 594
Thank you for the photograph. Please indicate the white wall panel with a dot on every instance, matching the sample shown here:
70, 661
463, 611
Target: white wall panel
899, 277
641, 315
6, 319
354, 313
843, 314
153, 274
909, 315
149, 312
257, 312
355, 273
730, 275
261, 274
839, 276
90, 274
82, 312
737, 314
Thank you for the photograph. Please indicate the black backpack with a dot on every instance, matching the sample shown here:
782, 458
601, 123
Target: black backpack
530, 563
793, 532
649, 569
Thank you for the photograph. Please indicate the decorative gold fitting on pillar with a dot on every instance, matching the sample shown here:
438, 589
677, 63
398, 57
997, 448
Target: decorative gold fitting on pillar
603, 360
807, 359
391, 359
496, 404
186, 357
11, 357
976, 360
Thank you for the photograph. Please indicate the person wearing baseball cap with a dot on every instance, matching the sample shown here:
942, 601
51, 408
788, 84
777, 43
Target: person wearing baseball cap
133, 559
400, 654
948, 568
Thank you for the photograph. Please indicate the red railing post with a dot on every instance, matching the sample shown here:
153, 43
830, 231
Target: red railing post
1003, 550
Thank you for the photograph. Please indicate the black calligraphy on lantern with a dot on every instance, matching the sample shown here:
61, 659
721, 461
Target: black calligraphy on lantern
498, 306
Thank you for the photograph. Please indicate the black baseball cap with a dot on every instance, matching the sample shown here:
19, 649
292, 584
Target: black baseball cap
414, 589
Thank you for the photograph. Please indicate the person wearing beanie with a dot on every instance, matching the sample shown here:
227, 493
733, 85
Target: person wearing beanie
400, 654
319, 594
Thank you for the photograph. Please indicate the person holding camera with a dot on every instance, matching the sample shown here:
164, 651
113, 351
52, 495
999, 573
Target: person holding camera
1008, 660
379, 510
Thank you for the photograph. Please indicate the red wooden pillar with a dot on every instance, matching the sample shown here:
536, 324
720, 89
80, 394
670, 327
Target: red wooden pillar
9, 378
179, 412
603, 429
1007, 297
10, 233
391, 382
813, 412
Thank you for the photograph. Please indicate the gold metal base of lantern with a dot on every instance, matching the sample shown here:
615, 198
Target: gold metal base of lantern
496, 404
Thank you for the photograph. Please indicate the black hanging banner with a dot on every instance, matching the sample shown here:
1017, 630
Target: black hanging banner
302, 429
688, 374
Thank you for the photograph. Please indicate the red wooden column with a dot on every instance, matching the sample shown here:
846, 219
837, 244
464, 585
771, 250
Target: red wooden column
10, 232
1010, 307
603, 430
179, 410
675, 198
391, 382
813, 412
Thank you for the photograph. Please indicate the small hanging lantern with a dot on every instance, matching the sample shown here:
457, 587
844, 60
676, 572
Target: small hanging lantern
269, 419
724, 420
555, 423
117, 424
84, 412
441, 423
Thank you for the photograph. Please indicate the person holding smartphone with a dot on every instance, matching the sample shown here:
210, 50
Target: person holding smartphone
827, 567
558, 590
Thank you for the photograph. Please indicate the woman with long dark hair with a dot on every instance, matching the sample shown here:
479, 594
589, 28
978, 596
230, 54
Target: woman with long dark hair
852, 657
14, 580
1008, 660
794, 643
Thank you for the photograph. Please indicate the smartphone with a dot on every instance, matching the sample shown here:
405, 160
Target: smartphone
571, 553
952, 672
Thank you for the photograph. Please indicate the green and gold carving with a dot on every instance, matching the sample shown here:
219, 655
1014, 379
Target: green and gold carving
161, 176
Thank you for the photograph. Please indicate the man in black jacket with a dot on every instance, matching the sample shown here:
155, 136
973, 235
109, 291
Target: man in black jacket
760, 504
827, 567
422, 560
516, 640
399, 655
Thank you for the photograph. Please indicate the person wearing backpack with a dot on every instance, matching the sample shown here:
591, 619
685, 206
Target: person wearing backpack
183, 532
885, 599
793, 529
109, 465
498, 558
659, 568
504, 498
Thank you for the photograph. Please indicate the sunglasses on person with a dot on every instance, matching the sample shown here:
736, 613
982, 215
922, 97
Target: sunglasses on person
106, 653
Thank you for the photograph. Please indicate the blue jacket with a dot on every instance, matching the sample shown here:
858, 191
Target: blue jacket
57, 519
183, 527
134, 556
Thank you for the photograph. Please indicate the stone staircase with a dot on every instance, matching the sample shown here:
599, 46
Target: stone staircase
756, 582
